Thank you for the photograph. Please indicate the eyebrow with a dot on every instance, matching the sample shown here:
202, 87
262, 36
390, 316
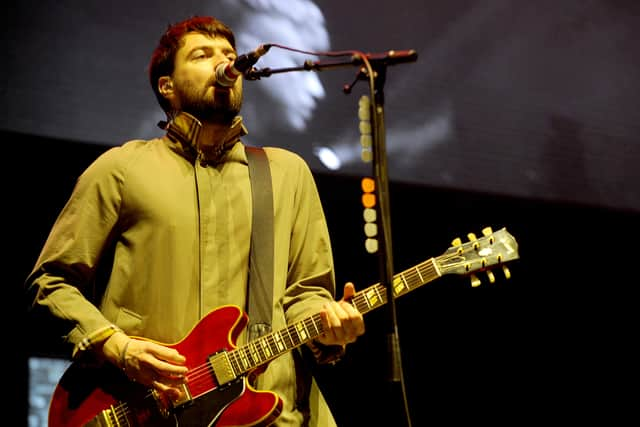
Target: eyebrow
208, 47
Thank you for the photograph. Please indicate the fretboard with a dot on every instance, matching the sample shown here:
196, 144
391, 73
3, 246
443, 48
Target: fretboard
274, 344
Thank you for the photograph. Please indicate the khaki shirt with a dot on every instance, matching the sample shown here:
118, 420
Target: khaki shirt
153, 238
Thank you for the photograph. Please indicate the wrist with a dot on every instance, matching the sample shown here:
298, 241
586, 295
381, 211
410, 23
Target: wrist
115, 347
123, 355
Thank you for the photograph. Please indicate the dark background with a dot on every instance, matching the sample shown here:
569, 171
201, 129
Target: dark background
516, 114
554, 342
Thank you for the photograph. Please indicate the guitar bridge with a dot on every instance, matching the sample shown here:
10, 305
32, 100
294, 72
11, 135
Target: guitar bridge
185, 398
163, 404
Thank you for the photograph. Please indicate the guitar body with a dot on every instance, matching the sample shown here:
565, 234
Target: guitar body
104, 394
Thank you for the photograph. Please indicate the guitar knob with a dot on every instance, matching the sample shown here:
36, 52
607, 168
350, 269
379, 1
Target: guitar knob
475, 282
506, 272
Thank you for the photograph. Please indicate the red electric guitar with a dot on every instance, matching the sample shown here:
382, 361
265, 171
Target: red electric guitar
217, 389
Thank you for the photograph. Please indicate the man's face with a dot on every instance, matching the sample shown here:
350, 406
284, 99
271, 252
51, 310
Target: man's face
194, 79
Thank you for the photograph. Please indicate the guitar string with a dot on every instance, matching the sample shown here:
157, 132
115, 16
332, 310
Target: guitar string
202, 374
360, 302
276, 342
121, 412
244, 358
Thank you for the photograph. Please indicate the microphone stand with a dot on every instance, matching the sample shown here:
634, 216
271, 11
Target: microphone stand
375, 73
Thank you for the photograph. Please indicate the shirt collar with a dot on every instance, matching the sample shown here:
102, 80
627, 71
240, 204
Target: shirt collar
185, 130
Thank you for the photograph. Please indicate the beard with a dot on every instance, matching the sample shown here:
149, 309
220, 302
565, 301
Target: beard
220, 106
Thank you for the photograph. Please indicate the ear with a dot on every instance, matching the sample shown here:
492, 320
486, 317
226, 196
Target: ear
165, 86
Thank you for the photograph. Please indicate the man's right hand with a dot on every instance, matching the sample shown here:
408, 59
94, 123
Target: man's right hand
148, 363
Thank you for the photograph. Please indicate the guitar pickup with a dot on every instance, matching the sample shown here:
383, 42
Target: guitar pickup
222, 369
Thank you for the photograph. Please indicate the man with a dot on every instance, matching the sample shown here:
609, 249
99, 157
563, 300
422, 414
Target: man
156, 234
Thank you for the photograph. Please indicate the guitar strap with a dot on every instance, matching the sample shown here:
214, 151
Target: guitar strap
261, 266
261, 258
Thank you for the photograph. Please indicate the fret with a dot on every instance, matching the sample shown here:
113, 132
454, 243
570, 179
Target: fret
423, 273
255, 354
373, 298
409, 279
246, 358
358, 302
233, 358
302, 331
419, 274
243, 359
249, 355
435, 268
364, 302
291, 343
382, 292
266, 347
399, 284
318, 331
261, 349
296, 337
278, 341
355, 302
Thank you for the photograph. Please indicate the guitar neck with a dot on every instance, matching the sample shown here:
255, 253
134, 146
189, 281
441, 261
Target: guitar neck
376, 295
274, 344
461, 258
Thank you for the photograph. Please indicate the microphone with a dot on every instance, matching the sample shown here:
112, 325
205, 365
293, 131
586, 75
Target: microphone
228, 72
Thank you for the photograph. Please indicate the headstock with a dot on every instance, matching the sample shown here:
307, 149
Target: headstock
480, 254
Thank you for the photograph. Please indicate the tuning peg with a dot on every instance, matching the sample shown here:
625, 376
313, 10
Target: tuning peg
472, 238
506, 271
456, 242
475, 282
491, 276
487, 231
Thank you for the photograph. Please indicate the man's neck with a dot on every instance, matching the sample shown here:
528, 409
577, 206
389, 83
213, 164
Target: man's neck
212, 134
